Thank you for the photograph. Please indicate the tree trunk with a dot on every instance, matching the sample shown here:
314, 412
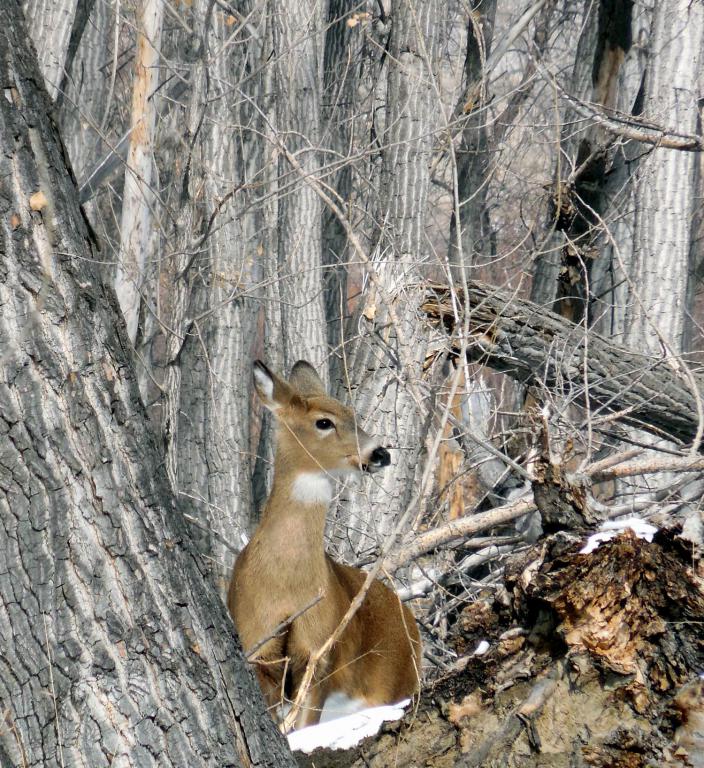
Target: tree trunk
585, 159
208, 290
473, 158
88, 117
345, 57
611, 268
54, 26
137, 195
298, 37
667, 186
116, 650
385, 360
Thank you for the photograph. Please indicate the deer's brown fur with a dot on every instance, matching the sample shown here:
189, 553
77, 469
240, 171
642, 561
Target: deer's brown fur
285, 567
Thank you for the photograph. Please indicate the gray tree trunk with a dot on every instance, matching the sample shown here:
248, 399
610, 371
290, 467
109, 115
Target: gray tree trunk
667, 185
299, 44
208, 289
611, 269
659, 303
116, 651
137, 209
473, 156
386, 359
344, 125
584, 161
88, 114
56, 24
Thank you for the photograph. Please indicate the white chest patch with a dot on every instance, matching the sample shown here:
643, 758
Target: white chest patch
312, 488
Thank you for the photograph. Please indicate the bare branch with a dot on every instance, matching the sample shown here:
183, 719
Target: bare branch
455, 529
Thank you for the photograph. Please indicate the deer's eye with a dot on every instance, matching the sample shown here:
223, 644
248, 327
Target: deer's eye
324, 424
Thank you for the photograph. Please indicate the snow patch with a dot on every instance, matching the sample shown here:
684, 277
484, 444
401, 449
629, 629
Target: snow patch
338, 705
481, 649
612, 528
345, 732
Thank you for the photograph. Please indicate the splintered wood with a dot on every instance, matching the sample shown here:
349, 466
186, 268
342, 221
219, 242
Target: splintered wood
628, 605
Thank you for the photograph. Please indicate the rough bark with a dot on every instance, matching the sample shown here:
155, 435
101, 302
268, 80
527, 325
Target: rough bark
473, 156
203, 344
657, 293
298, 38
54, 27
137, 196
88, 116
611, 269
386, 354
116, 650
536, 346
345, 59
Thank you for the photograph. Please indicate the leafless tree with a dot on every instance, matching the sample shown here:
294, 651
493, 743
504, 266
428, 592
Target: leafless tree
378, 187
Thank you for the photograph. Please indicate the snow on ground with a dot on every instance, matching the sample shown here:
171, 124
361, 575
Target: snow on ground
612, 528
345, 732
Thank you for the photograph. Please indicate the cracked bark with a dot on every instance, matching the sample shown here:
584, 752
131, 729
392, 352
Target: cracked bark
667, 189
298, 31
116, 650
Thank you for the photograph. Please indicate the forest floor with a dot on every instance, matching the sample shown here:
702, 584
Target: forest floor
594, 660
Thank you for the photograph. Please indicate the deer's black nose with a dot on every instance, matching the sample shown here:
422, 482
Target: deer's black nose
380, 457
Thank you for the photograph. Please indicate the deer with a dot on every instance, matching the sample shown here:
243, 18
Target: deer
287, 595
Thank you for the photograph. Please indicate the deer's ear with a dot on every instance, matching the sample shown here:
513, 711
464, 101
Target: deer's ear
273, 391
306, 380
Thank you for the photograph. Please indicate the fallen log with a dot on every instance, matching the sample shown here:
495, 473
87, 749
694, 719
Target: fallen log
537, 347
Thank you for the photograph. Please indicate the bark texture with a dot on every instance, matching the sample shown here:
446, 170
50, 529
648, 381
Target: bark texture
116, 650
137, 198
298, 37
387, 354
473, 157
89, 117
207, 290
347, 60
52, 29
585, 160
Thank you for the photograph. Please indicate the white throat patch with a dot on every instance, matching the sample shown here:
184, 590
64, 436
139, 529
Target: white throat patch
312, 488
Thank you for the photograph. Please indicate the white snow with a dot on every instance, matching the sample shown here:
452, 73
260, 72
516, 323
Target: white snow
481, 649
339, 705
345, 732
612, 528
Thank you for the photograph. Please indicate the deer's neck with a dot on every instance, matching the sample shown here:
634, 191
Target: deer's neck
294, 516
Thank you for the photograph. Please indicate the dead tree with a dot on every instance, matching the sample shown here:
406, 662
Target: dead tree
536, 346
